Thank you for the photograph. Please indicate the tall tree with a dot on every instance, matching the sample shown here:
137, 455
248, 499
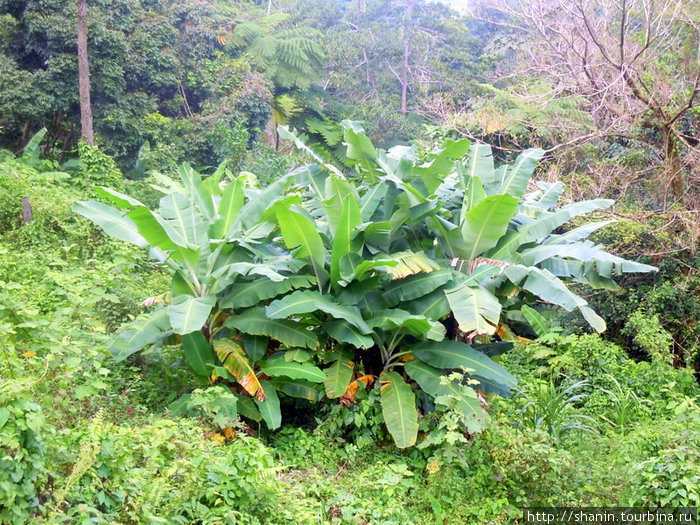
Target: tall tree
87, 133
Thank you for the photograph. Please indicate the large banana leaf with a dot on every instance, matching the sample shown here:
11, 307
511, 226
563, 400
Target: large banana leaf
415, 286
255, 322
160, 234
434, 305
399, 409
344, 332
269, 406
548, 287
236, 363
376, 236
278, 366
474, 193
337, 190
142, 332
398, 265
474, 308
427, 377
538, 323
548, 194
246, 294
418, 325
252, 211
198, 353
577, 234
455, 354
298, 231
441, 163
543, 225
582, 251
229, 207
112, 221
188, 313
199, 193
592, 318
342, 241
486, 223
307, 301
182, 214
479, 164
255, 346
298, 388
338, 376
516, 178
120, 200
298, 355
371, 199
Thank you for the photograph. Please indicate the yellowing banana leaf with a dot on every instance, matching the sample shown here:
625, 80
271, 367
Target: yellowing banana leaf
235, 361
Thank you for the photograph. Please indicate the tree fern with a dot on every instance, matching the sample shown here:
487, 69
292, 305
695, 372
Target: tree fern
291, 57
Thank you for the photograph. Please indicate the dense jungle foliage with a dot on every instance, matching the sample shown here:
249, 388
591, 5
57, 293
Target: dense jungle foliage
348, 261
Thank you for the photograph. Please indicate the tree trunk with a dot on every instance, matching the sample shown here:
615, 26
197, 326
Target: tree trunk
26, 210
25, 135
673, 167
87, 134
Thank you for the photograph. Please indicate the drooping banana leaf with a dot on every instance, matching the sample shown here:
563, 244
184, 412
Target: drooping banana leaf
112, 221
455, 354
277, 365
516, 178
299, 232
198, 353
338, 376
475, 308
269, 406
245, 294
415, 286
307, 301
344, 332
343, 238
255, 322
140, 333
399, 409
236, 363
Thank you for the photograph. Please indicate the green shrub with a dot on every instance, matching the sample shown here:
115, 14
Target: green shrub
670, 479
611, 376
23, 468
96, 168
168, 469
529, 469
646, 332
671, 294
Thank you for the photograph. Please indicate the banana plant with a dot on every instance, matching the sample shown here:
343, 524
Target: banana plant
500, 224
497, 227
215, 239
477, 230
377, 300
